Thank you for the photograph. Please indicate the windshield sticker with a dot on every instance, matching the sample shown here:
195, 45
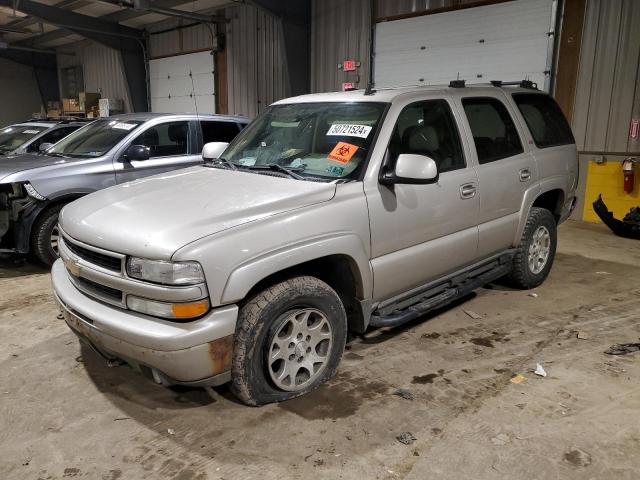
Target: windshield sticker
347, 130
342, 152
31, 132
124, 126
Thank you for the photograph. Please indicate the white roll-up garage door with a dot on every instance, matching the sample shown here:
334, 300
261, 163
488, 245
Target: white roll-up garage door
505, 41
183, 83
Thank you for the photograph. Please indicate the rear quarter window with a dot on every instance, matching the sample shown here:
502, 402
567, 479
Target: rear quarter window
544, 119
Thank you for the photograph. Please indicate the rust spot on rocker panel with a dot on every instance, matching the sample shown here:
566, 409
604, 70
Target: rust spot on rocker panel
220, 353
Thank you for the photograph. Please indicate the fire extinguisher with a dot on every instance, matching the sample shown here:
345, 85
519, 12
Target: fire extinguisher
629, 173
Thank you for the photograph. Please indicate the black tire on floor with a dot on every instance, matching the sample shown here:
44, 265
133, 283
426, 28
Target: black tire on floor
41, 231
521, 275
262, 317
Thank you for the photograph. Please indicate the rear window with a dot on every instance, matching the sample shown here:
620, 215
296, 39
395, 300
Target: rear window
216, 131
545, 120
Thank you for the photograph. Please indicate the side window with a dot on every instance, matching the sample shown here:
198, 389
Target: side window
54, 136
428, 128
166, 139
494, 132
218, 131
545, 120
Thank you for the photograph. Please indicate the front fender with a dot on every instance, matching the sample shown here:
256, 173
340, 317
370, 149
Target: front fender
251, 272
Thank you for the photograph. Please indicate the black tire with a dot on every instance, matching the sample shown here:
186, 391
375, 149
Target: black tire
522, 275
262, 317
41, 231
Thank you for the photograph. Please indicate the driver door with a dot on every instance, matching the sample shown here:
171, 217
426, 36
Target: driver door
421, 232
171, 146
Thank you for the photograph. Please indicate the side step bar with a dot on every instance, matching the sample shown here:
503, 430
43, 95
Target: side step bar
445, 293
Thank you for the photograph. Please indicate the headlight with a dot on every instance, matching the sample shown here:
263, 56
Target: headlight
182, 311
167, 273
33, 192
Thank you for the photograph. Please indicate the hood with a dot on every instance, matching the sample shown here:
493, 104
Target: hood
155, 216
13, 164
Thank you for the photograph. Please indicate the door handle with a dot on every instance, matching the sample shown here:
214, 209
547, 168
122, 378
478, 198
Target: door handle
525, 175
468, 190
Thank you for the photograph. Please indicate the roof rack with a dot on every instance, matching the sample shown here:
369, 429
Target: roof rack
519, 83
457, 83
65, 119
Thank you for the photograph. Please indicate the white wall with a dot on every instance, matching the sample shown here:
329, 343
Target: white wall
19, 94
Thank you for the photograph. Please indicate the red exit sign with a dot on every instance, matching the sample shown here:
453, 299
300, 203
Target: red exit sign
349, 65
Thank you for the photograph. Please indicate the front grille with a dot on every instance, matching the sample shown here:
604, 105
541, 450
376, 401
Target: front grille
99, 290
105, 261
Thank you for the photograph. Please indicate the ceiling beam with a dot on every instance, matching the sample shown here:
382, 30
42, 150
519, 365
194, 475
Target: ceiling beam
64, 4
114, 17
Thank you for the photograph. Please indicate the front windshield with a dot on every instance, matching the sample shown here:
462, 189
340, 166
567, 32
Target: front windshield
16, 135
95, 139
329, 139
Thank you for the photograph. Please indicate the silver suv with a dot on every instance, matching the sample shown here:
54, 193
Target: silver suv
34, 187
330, 212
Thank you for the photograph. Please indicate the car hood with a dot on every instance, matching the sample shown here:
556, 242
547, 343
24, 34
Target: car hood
11, 164
155, 216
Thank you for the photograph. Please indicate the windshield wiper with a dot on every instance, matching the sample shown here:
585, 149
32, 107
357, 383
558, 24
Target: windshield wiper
221, 161
291, 172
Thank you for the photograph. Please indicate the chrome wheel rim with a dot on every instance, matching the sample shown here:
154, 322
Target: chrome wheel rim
299, 350
54, 239
539, 249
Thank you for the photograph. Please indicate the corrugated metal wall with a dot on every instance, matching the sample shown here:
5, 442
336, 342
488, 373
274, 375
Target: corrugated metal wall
102, 67
19, 96
339, 31
608, 87
256, 60
188, 39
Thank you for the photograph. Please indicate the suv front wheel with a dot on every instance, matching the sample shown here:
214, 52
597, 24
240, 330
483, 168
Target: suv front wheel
45, 235
537, 250
289, 340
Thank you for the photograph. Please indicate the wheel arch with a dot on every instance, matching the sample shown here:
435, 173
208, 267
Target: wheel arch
340, 271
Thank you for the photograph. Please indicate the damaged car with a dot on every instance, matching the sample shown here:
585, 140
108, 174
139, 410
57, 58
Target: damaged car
35, 187
330, 213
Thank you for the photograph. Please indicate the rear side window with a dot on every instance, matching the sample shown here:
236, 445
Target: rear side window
545, 120
494, 133
219, 131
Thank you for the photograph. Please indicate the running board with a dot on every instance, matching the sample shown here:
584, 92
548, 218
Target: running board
451, 290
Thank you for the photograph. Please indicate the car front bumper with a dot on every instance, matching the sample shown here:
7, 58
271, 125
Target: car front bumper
189, 353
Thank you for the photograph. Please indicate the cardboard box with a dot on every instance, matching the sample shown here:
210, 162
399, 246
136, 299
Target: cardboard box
54, 113
70, 105
88, 100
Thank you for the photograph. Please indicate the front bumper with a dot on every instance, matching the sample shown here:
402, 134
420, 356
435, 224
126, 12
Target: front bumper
190, 353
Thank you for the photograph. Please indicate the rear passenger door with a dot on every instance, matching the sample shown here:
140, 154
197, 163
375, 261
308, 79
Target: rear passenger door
506, 170
172, 145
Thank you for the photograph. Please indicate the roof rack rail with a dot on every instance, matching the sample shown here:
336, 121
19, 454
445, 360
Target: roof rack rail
519, 83
457, 83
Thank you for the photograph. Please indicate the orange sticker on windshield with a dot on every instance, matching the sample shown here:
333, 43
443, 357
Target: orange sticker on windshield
342, 152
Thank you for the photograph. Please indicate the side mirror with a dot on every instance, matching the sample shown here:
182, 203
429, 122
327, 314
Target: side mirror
45, 146
137, 152
213, 150
412, 169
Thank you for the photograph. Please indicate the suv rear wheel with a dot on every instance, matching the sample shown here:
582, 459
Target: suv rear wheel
289, 340
45, 235
537, 250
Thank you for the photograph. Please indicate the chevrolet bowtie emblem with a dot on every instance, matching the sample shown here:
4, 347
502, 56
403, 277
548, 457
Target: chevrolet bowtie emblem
73, 267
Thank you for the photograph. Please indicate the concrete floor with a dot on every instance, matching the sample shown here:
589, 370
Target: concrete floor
64, 414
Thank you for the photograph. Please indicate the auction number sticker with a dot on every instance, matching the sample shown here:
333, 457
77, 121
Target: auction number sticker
342, 152
31, 132
348, 130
